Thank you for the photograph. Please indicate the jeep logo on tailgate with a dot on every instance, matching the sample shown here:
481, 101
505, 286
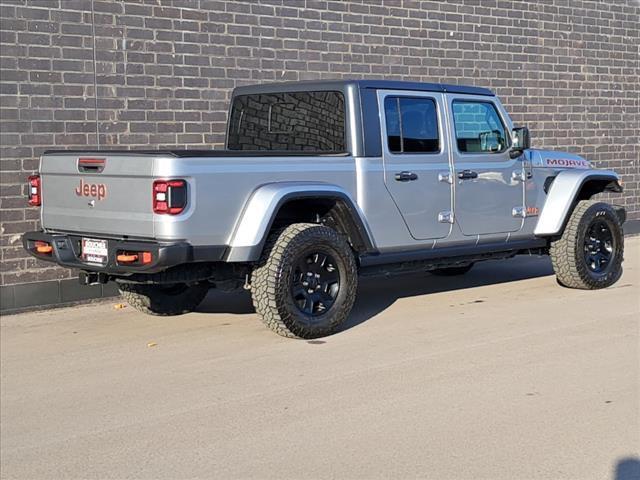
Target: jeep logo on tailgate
97, 190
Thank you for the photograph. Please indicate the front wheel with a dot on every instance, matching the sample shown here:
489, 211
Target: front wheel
589, 253
163, 300
305, 283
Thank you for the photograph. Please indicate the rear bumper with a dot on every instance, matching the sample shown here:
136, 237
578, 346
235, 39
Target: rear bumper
67, 249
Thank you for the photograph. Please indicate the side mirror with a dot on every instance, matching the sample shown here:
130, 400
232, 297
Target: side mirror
519, 141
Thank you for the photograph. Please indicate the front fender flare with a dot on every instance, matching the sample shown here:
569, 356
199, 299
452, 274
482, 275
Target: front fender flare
562, 197
251, 230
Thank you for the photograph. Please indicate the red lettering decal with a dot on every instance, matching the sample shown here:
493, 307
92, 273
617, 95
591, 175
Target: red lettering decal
98, 190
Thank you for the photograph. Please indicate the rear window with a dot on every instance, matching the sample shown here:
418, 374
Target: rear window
295, 121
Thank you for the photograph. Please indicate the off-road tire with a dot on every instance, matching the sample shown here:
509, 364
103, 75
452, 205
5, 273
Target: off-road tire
451, 271
163, 300
568, 252
272, 277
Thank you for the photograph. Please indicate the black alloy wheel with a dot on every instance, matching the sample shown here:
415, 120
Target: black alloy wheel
315, 283
599, 247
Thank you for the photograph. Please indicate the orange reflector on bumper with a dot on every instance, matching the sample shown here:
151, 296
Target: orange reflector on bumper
139, 258
43, 247
127, 258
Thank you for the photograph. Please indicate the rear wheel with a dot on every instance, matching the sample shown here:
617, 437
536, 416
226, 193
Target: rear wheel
589, 253
163, 300
451, 271
305, 283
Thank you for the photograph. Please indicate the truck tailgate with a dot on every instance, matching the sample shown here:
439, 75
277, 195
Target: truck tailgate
99, 193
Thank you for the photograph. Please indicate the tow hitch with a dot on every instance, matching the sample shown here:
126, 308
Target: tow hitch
93, 278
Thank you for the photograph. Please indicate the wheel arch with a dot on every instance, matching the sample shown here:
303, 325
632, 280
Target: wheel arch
566, 190
279, 204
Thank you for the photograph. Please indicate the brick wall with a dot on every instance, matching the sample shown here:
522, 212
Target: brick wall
164, 69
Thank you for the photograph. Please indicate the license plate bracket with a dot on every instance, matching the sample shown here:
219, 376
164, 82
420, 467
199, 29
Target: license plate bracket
94, 251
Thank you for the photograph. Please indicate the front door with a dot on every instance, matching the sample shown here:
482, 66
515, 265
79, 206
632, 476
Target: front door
417, 171
489, 188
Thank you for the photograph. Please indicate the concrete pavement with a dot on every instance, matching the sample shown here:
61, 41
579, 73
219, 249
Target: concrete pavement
500, 374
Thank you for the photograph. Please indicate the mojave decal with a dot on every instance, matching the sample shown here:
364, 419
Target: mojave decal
567, 162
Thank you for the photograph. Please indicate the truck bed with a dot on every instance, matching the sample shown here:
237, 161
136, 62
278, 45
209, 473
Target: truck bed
117, 200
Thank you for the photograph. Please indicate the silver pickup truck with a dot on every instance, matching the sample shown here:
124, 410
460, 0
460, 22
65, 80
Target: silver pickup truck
320, 182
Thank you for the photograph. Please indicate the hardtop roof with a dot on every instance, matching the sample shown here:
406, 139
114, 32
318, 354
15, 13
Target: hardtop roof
311, 85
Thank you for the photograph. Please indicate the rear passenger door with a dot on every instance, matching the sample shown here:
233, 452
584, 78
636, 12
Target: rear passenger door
417, 171
489, 188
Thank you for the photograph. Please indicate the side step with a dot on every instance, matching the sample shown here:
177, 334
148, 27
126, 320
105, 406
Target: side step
416, 261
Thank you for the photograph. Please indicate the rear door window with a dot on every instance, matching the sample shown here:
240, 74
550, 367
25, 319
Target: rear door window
412, 125
478, 127
294, 121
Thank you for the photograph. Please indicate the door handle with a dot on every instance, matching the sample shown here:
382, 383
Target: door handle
467, 175
406, 176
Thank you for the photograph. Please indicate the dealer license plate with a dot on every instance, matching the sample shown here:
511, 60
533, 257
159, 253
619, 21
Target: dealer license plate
94, 251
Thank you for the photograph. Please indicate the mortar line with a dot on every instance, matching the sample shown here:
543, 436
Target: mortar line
95, 74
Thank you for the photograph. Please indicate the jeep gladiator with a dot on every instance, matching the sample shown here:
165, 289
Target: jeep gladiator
320, 182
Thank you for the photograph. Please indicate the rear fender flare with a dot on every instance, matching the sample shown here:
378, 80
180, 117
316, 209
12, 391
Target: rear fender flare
565, 192
255, 222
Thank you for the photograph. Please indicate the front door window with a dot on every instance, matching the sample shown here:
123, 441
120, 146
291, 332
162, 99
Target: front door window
478, 128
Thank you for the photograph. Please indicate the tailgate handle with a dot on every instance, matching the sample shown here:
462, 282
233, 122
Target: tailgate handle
91, 165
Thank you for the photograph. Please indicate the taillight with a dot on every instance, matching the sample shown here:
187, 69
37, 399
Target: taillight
169, 196
35, 192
